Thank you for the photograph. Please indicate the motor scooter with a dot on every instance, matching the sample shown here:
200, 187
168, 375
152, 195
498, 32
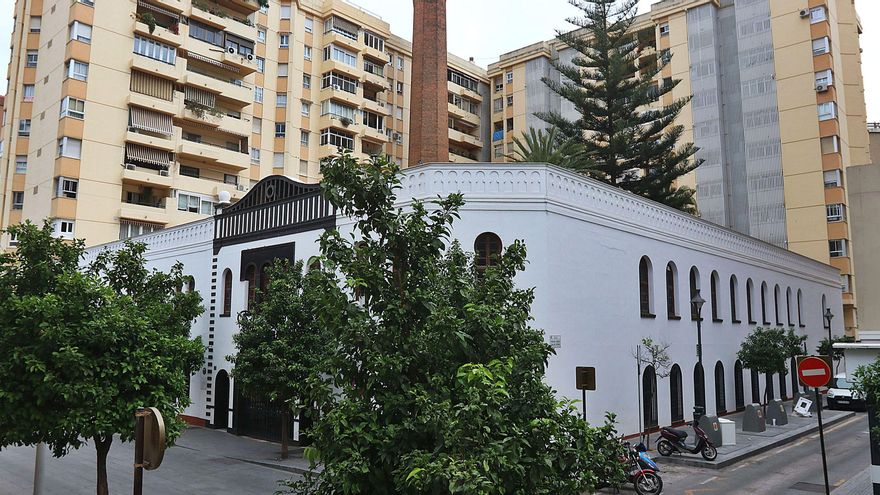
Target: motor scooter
644, 459
642, 471
673, 441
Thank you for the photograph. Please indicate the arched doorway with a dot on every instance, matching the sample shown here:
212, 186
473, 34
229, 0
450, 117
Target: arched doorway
792, 372
769, 390
675, 396
700, 388
649, 398
756, 388
738, 385
783, 387
221, 400
720, 392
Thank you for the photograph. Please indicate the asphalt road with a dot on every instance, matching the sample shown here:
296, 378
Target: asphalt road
793, 469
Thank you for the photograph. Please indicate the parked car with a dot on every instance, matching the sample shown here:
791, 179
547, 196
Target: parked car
840, 395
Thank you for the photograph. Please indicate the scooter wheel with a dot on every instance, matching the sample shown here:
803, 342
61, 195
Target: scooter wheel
709, 453
664, 447
648, 483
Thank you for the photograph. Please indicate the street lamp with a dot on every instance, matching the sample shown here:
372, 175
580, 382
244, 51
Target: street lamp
828, 316
696, 309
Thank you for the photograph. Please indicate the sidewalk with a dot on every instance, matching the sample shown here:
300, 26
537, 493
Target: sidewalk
857, 485
245, 449
749, 444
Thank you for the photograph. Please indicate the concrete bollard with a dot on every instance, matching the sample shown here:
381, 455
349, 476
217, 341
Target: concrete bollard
710, 425
753, 419
776, 413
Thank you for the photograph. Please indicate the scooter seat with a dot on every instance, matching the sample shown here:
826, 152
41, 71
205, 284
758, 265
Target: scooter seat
679, 433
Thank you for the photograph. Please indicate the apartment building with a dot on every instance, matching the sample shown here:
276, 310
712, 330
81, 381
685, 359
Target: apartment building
125, 117
778, 113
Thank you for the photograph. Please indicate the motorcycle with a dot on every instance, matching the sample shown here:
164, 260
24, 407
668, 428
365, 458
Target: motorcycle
642, 471
673, 441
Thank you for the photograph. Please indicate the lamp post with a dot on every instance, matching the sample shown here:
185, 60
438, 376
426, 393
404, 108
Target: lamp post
828, 316
696, 309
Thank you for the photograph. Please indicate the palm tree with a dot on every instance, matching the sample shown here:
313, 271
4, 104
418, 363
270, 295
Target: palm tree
538, 146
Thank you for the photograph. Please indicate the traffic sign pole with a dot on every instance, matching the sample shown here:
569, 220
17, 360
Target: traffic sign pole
822, 442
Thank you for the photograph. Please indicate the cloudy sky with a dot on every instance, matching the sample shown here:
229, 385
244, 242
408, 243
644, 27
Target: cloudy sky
477, 30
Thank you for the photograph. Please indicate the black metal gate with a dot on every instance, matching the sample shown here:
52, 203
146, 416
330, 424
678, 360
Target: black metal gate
255, 416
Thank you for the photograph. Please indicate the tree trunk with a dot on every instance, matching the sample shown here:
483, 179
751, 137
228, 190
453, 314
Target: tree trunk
766, 400
285, 424
102, 445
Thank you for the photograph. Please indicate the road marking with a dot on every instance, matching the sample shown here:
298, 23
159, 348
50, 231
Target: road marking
842, 481
713, 478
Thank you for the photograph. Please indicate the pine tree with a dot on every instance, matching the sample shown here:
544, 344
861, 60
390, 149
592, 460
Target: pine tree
615, 90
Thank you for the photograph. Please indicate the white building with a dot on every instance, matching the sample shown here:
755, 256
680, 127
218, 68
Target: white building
609, 269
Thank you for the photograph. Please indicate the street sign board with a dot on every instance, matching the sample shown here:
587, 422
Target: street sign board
585, 378
814, 371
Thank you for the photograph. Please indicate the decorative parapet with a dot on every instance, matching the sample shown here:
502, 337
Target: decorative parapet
601, 203
186, 235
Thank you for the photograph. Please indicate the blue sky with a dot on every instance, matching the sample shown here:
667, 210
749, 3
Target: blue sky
477, 30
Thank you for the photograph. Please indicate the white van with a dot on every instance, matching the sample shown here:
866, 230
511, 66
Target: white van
840, 395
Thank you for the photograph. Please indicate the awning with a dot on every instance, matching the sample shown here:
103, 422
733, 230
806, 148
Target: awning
158, 10
218, 130
208, 60
199, 96
147, 120
138, 153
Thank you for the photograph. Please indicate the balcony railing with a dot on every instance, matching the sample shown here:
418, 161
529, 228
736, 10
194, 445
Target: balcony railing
374, 69
213, 145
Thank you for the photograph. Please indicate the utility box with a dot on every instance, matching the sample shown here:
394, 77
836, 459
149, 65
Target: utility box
728, 431
776, 414
753, 419
710, 425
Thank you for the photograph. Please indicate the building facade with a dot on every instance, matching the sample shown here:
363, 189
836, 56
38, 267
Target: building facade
777, 111
125, 117
630, 268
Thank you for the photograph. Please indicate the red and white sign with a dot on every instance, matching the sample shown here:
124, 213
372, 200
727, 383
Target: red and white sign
814, 371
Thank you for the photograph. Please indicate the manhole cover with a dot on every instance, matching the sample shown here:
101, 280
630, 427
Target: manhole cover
808, 487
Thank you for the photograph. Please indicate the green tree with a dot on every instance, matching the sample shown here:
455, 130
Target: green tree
281, 347
83, 349
866, 383
766, 350
616, 93
538, 146
436, 378
826, 348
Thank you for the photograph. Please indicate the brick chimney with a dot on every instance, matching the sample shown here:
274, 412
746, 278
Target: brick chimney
428, 135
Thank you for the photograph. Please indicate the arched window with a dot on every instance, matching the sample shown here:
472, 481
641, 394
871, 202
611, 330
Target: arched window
800, 298
734, 288
788, 306
713, 296
750, 289
190, 283
824, 307
645, 276
699, 388
764, 303
227, 293
675, 396
720, 392
738, 385
776, 297
264, 279
250, 275
649, 398
487, 249
783, 387
694, 282
671, 291
756, 387
792, 372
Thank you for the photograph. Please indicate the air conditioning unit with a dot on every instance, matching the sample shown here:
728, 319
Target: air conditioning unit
240, 187
250, 57
230, 49
163, 173
130, 166
821, 88
336, 87
804, 13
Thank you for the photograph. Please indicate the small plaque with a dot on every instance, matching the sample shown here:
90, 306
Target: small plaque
556, 341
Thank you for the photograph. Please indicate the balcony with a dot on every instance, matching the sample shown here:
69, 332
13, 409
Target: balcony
374, 75
461, 90
175, 5
159, 142
202, 13
337, 66
456, 158
354, 99
373, 134
250, 6
160, 69
247, 64
157, 104
145, 177
210, 153
379, 107
222, 121
329, 120
166, 35
465, 140
144, 213
225, 88
235, 192
341, 40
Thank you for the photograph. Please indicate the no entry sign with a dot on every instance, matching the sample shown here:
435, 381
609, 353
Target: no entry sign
814, 371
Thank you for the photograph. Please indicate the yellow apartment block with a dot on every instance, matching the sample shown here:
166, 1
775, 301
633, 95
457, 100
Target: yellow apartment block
777, 110
128, 116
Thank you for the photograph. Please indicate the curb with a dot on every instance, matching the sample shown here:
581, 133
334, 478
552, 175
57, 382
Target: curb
697, 462
279, 467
